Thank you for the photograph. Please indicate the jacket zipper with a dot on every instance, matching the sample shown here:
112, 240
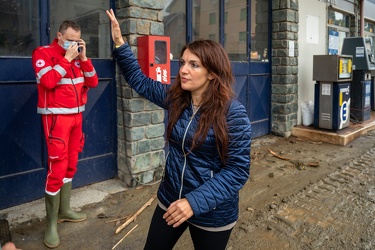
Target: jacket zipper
183, 142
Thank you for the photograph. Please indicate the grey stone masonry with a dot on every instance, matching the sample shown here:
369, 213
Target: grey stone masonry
284, 100
140, 123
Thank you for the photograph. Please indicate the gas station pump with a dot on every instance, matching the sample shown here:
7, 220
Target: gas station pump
362, 50
333, 74
154, 57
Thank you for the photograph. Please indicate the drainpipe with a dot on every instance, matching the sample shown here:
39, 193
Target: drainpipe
362, 17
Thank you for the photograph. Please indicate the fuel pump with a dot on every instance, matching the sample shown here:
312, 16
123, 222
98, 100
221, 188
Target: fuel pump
333, 74
362, 50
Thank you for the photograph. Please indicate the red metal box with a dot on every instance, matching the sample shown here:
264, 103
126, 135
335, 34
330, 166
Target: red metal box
154, 57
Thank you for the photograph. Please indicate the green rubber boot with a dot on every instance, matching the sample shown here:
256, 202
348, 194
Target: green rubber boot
65, 212
51, 237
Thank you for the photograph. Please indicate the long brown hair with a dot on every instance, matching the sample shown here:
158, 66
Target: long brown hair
215, 100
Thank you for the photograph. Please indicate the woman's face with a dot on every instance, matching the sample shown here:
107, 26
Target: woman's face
194, 77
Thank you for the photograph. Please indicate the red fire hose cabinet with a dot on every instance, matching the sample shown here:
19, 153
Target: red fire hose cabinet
154, 57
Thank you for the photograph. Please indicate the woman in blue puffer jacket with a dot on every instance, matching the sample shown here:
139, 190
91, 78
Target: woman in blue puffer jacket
209, 138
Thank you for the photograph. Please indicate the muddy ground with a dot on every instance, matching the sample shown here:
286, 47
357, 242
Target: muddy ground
307, 195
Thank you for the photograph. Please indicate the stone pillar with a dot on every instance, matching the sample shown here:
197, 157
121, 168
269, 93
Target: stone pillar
140, 123
284, 103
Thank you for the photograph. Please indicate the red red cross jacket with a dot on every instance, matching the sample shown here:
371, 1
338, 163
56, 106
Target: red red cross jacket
62, 85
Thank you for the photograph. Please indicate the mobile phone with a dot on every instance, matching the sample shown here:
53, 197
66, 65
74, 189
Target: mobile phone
79, 48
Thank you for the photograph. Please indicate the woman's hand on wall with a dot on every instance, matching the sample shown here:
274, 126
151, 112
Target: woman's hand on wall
115, 28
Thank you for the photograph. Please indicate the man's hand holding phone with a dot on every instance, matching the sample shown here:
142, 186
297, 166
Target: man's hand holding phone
76, 50
81, 50
72, 51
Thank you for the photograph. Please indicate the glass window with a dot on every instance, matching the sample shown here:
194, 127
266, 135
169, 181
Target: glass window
259, 31
160, 52
243, 14
235, 32
336, 39
175, 25
338, 18
338, 28
205, 25
369, 31
369, 27
204, 20
213, 18
242, 37
19, 27
95, 28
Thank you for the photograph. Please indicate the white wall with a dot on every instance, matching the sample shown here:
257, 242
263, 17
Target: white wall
312, 39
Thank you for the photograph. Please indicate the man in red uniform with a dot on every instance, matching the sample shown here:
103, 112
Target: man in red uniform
64, 75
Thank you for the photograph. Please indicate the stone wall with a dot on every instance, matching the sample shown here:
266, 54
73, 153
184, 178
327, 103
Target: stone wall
140, 123
284, 103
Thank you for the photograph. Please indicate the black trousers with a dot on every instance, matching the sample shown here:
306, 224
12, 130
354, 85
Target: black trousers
164, 237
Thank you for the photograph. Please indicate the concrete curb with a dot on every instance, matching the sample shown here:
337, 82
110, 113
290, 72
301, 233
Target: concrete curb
82, 196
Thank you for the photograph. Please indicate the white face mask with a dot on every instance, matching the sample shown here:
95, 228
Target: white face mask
67, 43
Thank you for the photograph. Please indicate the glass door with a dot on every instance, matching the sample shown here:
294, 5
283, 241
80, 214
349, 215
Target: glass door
25, 25
243, 28
22, 175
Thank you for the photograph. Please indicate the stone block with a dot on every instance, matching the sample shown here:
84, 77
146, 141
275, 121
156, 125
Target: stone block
154, 4
137, 119
157, 143
154, 131
143, 146
157, 29
135, 133
143, 27
157, 116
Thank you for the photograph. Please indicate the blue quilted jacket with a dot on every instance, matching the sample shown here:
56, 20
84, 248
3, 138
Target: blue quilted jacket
210, 187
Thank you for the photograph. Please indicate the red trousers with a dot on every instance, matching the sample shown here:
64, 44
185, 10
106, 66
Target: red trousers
64, 139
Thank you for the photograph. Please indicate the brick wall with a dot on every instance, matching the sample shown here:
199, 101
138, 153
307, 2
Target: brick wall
284, 101
140, 123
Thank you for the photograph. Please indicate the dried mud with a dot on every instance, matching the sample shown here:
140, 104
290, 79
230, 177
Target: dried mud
301, 195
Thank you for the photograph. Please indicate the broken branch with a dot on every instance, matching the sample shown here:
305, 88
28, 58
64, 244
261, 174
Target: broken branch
128, 221
313, 164
278, 156
124, 237
123, 218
